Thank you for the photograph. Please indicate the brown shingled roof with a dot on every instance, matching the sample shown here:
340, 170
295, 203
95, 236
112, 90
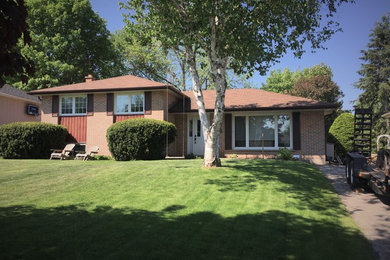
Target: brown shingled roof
256, 99
127, 82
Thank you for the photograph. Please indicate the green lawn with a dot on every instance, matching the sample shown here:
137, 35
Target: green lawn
172, 209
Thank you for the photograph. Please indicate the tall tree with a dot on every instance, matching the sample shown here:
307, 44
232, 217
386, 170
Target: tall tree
281, 81
375, 73
69, 41
242, 35
321, 88
13, 26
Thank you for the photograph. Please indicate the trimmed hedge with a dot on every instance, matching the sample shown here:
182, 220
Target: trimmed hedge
30, 140
341, 134
140, 139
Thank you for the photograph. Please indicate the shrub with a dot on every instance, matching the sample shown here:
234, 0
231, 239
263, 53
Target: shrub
101, 158
285, 154
141, 139
341, 134
30, 140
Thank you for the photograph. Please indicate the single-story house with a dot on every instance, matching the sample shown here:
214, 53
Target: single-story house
256, 122
16, 105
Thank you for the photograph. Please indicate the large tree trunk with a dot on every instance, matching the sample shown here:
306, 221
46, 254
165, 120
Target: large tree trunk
211, 132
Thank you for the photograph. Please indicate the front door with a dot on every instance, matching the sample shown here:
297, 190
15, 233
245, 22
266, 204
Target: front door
195, 136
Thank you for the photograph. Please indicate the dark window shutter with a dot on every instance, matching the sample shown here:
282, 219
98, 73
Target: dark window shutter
228, 131
296, 130
54, 105
110, 104
148, 103
90, 104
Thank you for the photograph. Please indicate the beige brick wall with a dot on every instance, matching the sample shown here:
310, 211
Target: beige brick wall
179, 146
158, 106
14, 110
97, 125
312, 136
46, 114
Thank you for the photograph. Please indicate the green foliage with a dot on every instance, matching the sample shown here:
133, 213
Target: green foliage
101, 158
285, 154
308, 83
141, 139
375, 74
150, 61
341, 134
30, 139
320, 88
69, 41
281, 82
261, 34
13, 27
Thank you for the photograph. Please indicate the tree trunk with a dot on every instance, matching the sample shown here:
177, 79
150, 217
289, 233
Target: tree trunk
211, 132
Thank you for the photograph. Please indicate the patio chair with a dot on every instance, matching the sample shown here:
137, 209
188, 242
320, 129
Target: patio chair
63, 154
89, 154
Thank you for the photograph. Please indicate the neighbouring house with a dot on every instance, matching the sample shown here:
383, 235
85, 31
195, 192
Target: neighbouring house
256, 123
16, 105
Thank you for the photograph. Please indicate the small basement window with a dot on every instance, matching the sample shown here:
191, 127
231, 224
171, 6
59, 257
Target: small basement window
73, 105
129, 103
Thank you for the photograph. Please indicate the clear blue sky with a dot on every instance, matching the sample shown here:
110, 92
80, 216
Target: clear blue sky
343, 50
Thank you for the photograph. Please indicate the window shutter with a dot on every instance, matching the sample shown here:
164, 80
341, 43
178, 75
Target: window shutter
228, 131
110, 104
54, 105
148, 103
296, 130
90, 104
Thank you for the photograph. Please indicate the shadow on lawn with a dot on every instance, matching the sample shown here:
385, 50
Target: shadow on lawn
73, 232
297, 180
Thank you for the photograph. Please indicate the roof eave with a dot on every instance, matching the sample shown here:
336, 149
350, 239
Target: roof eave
54, 92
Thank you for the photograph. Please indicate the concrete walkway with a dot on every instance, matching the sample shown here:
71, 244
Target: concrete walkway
370, 212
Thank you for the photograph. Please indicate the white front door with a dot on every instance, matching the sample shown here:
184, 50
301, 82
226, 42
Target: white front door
195, 136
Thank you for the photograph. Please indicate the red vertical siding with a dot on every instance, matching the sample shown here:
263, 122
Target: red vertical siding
77, 127
125, 117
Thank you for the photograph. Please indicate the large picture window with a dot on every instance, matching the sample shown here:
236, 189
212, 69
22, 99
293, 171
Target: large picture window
262, 131
73, 105
129, 104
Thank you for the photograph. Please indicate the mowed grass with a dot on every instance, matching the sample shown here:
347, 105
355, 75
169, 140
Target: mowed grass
172, 209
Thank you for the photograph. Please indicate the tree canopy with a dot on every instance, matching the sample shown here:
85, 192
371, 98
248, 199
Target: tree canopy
375, 73
283, 81
13, 26
68, 41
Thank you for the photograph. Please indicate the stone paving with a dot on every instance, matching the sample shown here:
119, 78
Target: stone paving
370, 212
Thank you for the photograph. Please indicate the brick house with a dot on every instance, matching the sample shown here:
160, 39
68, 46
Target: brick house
256, 123
16, 105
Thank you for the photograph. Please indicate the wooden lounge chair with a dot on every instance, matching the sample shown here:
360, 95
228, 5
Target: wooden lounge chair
89, 154
63, 154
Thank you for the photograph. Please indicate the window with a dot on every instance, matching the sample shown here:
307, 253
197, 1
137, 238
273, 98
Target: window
240, 132
73, 105
284, 131
262, 131
129, 104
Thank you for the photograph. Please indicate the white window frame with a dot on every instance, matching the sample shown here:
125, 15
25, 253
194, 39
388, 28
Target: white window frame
130, 112
73, 105
247, 115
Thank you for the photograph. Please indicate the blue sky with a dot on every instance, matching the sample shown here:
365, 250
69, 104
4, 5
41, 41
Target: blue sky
342, 53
